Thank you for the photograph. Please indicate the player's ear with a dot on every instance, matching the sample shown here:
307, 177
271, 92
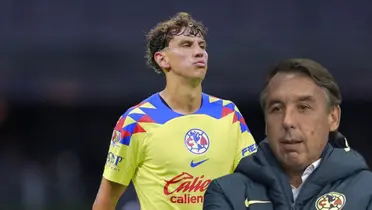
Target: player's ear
162, 60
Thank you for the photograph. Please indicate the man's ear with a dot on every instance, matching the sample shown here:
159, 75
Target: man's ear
265, 129
334, 118
265, 123
162, 60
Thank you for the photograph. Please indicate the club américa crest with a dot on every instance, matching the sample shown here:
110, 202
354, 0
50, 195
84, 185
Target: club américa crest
197, 141
330, 201
115, 138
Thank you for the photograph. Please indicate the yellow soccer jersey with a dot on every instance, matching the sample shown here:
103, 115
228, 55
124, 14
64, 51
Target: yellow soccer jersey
171, 158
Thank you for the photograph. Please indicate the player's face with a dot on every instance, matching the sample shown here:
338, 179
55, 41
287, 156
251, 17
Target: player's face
187, 56
298, 120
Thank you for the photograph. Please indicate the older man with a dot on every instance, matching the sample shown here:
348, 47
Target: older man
296, 167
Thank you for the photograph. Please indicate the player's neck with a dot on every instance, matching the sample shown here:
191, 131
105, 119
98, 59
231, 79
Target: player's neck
183, 99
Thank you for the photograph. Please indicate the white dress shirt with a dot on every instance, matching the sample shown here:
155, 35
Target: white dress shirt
310, 169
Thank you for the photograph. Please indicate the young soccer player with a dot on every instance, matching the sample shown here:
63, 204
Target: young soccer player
172, 144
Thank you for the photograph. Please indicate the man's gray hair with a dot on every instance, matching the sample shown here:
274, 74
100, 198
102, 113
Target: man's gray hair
320, 75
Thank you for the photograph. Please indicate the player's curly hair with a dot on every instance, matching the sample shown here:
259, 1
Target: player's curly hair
158, 38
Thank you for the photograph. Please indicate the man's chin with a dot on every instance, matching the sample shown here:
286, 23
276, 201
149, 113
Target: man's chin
293, 162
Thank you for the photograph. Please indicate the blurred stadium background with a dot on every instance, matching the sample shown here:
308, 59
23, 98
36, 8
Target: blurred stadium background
69, 69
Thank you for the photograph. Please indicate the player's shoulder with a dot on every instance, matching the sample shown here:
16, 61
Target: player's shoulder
219, 101
151, 111
135, 120
215, 98
148, 102
135, 113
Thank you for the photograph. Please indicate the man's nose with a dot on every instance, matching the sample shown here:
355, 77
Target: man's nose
289, 119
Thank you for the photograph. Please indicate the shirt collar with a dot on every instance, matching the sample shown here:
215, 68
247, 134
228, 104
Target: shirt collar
311, 167
308, 171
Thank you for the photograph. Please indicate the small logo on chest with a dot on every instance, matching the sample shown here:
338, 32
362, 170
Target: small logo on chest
194, 164
330, 201
197, 141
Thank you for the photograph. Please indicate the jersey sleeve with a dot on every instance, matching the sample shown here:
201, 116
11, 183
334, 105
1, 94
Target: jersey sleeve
246, 143
125, 151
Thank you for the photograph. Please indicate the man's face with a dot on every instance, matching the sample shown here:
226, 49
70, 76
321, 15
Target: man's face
298, 120
186, 56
